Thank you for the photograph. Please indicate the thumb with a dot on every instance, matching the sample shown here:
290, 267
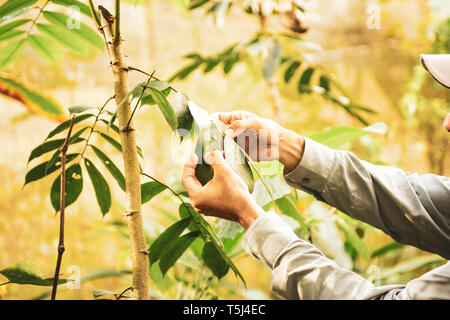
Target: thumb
189, 179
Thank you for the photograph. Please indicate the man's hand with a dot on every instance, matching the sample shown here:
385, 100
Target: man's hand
225, 195
264, 139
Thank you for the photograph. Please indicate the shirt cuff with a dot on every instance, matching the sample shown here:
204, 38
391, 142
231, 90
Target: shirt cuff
314, 167
266, 238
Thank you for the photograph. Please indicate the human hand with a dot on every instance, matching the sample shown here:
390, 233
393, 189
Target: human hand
264, 139
225, 195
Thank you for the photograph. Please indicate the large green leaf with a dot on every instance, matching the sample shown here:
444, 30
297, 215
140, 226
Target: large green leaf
111, 140
43, 169
236, 159
387, 248
66, 124
84, 9
12, 25
49, 146
101, 188
74, 186
112, 168
11, 34
35, 102
166, 239
25, 272
165, 107
10, 52
82, 31
214, 261
337, 137
46, 47
14, 14
175, 251
150, 189
184, 116
11, 6
69, 39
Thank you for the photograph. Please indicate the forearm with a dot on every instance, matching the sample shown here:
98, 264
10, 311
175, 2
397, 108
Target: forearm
408, 207
300, 270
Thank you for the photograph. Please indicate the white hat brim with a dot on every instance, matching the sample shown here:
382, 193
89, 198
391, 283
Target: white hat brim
438, 65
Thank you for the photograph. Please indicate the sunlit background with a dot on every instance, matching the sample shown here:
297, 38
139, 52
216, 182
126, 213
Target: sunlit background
376, 60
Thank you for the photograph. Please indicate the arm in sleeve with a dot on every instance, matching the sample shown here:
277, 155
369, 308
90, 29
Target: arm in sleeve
301, 271
412, 209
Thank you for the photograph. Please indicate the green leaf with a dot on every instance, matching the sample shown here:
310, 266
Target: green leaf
175, 251
11, 34
290, 71
79, 30
305, 79
14, 14
288, 208
273, 61
101, 188
277, 186
12, 25
25, 272
324, 82
337, 137
236, 159
411, 265
66, 124
165, 107
43, 169
387, 248
184, 72
112, 168
50, 146
11, 6
229, 63
214, 261
150, 190
74, 186
10, 52
66, 38
80, 109
181, 108
34, 101
353, 240
166, 239
46, 47
111, 140
228, 229
84, 9
269, 168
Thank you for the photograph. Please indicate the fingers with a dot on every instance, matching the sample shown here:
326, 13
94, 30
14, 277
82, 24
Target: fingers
217, 161
189, 179
230, 117
240, 126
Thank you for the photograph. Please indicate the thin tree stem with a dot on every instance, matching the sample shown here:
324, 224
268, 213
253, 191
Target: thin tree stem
62, 207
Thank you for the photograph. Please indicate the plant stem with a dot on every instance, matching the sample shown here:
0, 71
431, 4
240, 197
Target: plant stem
139, 253
139, 100
62, 206
150, 75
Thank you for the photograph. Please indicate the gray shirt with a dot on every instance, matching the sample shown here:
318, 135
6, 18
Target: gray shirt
412, 209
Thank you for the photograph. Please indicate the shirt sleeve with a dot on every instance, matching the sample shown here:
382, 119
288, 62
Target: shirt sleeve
413, 209
301, 271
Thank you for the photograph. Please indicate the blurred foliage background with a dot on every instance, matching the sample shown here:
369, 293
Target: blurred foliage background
378, 66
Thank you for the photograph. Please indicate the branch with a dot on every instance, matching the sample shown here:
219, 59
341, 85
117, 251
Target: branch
62, 206
139, 100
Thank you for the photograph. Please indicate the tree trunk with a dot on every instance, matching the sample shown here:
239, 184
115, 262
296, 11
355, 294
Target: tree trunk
130, 158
